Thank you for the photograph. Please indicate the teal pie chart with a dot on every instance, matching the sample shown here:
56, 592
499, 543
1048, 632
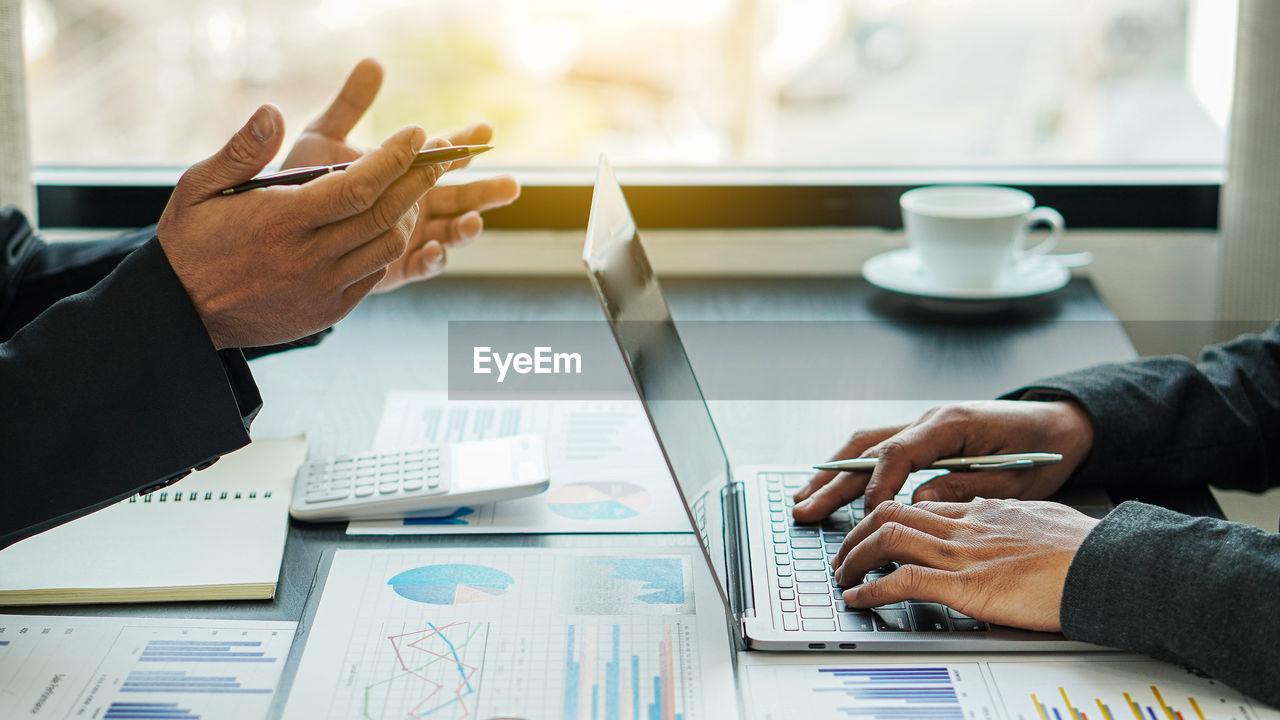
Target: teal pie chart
599, 500
451, 584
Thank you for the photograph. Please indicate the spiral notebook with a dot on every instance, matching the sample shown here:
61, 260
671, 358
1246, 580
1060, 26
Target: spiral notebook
217, 534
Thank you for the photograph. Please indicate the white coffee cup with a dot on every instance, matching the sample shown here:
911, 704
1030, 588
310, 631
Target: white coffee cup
968, 236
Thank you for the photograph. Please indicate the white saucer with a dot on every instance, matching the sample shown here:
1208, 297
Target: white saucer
900, 271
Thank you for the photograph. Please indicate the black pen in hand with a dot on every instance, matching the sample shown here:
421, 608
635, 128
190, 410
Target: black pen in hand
297, 176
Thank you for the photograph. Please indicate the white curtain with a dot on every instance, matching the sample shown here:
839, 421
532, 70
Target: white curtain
15, 144
1249, 270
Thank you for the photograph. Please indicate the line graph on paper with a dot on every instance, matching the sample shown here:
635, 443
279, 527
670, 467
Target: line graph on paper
433, 672
464, 634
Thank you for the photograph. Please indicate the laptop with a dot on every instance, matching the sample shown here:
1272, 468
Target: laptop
773, 576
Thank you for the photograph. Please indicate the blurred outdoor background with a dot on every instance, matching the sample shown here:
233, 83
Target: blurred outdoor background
829, 83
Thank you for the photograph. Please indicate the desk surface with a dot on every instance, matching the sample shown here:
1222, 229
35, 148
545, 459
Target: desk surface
334, 393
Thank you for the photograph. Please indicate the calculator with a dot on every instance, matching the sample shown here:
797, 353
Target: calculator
426, 481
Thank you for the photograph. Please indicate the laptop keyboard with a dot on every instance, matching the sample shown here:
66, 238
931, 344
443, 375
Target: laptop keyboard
808, 596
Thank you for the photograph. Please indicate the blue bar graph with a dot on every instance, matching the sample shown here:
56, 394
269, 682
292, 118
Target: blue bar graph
572, 671
939, 675
888, 693
617, 697
896, 713
635, 686
655, 708
148, 711
203, 651
611, 690
178, 681
908, 695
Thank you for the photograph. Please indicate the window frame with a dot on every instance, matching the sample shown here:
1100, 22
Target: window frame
1182, 198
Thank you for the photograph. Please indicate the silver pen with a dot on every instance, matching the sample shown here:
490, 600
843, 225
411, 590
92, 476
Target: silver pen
1011, 461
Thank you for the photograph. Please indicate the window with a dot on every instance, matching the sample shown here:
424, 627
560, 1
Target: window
808, 83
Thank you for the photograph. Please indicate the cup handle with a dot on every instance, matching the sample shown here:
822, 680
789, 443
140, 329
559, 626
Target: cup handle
1047, 216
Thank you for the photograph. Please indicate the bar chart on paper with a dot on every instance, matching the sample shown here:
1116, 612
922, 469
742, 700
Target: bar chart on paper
1049, 709
1117, 690
140, 669
871, 692
461, 634
640, 676
627, 669
1069, 688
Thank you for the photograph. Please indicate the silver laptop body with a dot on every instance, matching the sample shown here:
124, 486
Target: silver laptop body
773, 577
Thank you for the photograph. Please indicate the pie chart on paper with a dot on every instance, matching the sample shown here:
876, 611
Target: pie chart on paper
451, 584
599, 500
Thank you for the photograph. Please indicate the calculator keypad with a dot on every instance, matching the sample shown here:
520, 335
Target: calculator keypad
372, 476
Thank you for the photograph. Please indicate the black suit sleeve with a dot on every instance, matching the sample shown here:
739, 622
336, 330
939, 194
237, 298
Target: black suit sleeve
42, 274
1197, 591
35, 275
110, 390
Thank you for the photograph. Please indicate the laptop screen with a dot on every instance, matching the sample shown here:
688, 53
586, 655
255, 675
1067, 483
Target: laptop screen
641, 322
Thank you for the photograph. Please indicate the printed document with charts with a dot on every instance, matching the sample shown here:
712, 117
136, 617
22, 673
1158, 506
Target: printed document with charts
136, 668
607, 473
516, 632
987, 686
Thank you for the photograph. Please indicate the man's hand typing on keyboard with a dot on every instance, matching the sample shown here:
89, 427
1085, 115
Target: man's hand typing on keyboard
978, 428
1183, 588
1002, 561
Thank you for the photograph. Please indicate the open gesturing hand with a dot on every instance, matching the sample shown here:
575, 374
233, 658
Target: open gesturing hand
447, 216
275, 264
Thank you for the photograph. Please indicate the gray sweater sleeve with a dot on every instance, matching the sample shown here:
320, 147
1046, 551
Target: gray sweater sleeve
1196, 591
1164, 422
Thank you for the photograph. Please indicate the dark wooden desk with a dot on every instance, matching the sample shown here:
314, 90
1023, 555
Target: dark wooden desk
335, 393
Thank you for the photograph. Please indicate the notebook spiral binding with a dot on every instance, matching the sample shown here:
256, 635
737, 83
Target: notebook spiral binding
195, 496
